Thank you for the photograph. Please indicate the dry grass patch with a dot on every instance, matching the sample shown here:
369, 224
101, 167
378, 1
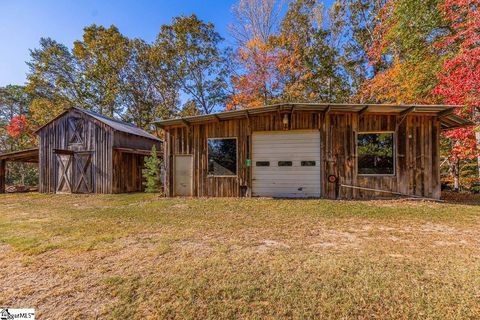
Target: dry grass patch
141, 256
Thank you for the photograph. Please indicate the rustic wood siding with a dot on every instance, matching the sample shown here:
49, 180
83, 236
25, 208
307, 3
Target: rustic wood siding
127, 172
417, 152
97, 138
125, 140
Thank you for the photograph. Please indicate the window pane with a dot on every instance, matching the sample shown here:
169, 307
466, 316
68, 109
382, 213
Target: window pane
263, 163
307, 163
284, 163
375, 153
222, 157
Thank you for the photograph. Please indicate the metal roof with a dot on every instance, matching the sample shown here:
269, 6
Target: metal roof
119, 125
448, 118
115, 124
25, 155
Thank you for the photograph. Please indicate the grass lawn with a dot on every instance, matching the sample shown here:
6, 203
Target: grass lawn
141, 256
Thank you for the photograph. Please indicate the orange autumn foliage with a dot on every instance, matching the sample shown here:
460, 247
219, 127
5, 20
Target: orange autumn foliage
401, 83
259, 82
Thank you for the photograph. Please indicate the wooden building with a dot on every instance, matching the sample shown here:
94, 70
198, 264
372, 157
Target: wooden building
308, 150
81, 151
25, 156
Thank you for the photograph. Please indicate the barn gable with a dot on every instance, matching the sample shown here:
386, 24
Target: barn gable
59, 140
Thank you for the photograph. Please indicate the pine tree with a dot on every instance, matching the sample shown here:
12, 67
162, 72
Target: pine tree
151, 172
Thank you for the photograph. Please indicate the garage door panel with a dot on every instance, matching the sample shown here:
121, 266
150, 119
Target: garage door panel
285, 175
293, 178
286, 193
286, 181
294, 144
297, 167
280, 154
282, 137
294, 168
289, 187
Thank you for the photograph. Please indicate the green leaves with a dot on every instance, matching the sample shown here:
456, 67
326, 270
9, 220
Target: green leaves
130, 78
188, 50
101, 58
151, 172
310, 63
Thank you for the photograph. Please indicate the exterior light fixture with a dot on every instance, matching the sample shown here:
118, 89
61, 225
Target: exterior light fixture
285, 121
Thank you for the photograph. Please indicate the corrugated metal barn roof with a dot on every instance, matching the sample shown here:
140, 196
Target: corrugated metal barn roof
119, 125
115, 124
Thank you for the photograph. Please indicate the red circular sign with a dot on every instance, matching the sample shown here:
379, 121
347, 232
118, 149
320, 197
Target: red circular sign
332, 178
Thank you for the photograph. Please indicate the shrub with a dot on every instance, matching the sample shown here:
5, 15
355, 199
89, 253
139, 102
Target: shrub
152, 172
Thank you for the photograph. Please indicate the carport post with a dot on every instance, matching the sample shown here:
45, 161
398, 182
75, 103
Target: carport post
2, 176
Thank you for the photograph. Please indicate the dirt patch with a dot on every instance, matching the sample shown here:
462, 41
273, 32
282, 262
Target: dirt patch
180, 206
246, 259
438, 228
268, 244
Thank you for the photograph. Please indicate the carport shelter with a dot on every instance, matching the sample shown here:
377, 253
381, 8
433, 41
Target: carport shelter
27, 156
81, 151
308, 150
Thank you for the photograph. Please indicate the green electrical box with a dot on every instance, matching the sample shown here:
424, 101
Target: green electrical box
248, 162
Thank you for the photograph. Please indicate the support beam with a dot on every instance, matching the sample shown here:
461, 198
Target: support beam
327, 110
446, 113
402, 116
185, 122
407, 111
217, 118
136, 151
362, 111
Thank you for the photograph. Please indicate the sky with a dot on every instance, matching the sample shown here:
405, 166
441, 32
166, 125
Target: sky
23, 23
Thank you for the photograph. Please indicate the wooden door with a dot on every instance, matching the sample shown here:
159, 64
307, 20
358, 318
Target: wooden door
64, 173
82, 173
183, 175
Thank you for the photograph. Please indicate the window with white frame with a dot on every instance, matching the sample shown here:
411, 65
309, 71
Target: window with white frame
376, 153
222, 157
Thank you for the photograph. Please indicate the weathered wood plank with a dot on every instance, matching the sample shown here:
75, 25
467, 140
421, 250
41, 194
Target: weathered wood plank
416, 143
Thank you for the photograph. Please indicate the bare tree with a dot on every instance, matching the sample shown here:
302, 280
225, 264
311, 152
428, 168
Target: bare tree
255, 19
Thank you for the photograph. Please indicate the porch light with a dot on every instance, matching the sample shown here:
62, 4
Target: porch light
285, 121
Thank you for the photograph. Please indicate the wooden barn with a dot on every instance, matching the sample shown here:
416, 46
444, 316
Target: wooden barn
308, 150
81, 151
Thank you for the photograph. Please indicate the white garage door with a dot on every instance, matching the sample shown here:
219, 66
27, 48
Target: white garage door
286, 164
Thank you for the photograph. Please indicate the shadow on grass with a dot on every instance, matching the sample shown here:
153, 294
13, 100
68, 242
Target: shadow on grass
461, 198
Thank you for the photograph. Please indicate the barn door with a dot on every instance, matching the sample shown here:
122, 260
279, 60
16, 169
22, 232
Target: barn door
82, 172
64, 173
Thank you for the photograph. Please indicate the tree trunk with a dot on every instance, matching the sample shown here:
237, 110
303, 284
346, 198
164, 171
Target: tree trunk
456, 174
477, 137
2, 176
476, 116
22, 176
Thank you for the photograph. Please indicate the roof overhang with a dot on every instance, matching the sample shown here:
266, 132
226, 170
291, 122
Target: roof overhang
137, 151
446, 113
26, 155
